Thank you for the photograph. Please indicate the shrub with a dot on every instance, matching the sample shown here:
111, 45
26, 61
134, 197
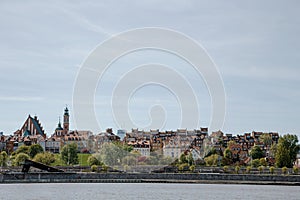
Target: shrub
45, 158
225, 168
255, 163
94, 168
248, 169
34, 150
260, 169
192, 168
105, 168
237, 169
272, 169
183, 166
20, 158
92, 160
284, 170
295, 170
263, 162
212, 160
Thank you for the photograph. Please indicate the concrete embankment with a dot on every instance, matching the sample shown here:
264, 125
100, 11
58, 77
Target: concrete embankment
148, 178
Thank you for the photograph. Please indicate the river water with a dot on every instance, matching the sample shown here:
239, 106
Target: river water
132, 191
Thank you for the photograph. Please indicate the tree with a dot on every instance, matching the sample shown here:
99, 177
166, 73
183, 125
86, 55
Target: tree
260, 169
35, 149
129, 160
46, 158
20, 158
69, 154
284, 170
295, 170
228, 156
255, 163
190, 159
94, 168
3, 159
225, 168
92, 160
256, 152
182, 158
287, 150
263, 162
192, 168
273, 150
248, 169
231, 143
266, 139
212, 160
112, 154
272, 169
23, 149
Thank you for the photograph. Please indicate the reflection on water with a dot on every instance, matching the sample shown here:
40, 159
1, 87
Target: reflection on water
133, 191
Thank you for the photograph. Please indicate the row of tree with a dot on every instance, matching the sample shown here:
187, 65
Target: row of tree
285, 153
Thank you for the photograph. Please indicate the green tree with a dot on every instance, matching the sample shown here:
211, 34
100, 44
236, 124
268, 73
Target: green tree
23, 149
93, 160
266, 139
225, 168
231, 143
255, 163
112, 154
20, 158
35, 149
260, 169
287, 150
192, 168
129, 160
295, 170
256, 152
69, 154
228, 156
183, 158
3, 159
94, 168
273, 150
284, 170
272, 169
263, 162
190, 159
212, 160
151, 160
248, 169
46, 158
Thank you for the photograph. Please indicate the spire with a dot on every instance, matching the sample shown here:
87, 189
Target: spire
66, 110
59, 123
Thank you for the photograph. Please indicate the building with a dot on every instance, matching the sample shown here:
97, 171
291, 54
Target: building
142, 146
105, 137
30, 133
63, 136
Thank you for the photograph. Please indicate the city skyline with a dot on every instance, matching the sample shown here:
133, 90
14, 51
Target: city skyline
254, 46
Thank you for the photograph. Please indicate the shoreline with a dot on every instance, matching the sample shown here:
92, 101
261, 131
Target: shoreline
168, 178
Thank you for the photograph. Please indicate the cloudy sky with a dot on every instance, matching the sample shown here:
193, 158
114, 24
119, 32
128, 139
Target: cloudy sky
255, 45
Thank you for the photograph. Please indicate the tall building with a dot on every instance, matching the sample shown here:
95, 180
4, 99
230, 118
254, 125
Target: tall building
66, 125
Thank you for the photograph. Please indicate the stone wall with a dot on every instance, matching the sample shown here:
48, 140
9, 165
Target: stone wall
138, 177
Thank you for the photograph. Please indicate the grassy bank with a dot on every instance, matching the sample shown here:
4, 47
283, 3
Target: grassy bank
82, 158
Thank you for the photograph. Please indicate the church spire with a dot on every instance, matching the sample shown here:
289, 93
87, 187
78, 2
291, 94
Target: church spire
66, 124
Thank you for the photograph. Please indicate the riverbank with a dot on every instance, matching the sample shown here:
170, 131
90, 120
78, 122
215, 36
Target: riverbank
192, 178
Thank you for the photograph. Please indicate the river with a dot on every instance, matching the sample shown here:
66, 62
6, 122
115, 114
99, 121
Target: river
132, 191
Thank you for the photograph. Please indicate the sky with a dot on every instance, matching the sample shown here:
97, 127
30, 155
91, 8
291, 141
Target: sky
254, 44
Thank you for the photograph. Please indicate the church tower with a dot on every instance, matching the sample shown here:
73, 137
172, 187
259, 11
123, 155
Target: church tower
66, 125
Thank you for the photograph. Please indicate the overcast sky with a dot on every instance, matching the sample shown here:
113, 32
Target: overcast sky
255, 45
